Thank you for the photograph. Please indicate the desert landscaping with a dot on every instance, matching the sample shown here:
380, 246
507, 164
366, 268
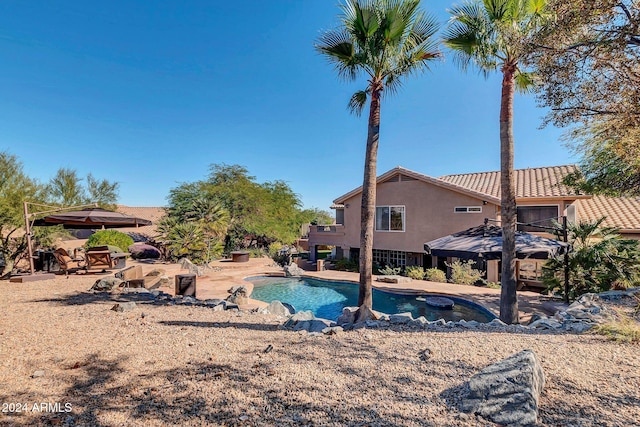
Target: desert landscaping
68, 358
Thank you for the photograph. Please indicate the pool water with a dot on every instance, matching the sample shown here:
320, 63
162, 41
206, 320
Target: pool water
326, 299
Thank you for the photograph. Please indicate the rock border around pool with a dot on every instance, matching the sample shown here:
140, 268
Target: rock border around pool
586, 312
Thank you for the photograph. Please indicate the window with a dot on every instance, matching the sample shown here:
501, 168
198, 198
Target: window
390, 218
536, 215
467, 209
384, 257
530, 270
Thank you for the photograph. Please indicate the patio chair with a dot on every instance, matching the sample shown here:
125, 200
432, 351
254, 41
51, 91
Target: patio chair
99, 258
68, 264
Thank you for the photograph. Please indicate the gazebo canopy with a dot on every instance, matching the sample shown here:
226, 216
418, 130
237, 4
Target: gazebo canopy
93, 218
485, 242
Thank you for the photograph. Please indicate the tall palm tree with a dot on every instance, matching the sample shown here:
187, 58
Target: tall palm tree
492, 35
386, 40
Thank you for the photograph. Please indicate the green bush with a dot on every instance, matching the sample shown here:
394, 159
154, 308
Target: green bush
463, 273
274, 249
390, 271
256, 253
415, 272
109, 237
493, 285
345, 264
435, 275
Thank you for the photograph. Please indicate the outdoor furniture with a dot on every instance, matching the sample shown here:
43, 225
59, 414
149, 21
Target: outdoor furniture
101, 258
240, 256
68, 264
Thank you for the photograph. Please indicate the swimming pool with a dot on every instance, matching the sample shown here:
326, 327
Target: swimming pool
326, 299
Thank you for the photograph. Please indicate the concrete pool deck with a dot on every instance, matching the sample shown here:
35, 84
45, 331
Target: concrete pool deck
217, 283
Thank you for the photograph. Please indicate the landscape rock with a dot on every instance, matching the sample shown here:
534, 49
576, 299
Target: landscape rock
277, 308
186, 264
37, 374
545, 324
239, 295
106, 284
393, 279
508, 391
125, 306
400, 318
300, 316
144, 251
293, 270
314, 325
348, 316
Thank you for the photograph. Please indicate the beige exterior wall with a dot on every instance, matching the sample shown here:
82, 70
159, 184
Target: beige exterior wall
429, 214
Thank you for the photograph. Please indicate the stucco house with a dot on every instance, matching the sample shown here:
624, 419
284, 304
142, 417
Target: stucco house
413, 208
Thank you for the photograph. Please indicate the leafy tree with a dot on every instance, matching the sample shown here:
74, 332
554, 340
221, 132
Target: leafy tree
589, 73
66, 189
600, 260
497, 35
232, 206
386, 40
15, 187
317, 216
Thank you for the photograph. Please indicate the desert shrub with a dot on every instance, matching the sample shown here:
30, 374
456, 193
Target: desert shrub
415, 272
346, 264
625, 330
275, 248
390, 271
435, 275
463, 273
493, 285
109, 237
257, 253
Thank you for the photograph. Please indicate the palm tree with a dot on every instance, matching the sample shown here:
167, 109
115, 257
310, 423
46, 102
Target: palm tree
492, 35
387, 40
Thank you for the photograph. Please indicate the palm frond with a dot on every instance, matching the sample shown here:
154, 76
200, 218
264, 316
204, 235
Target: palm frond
358, 101
524, 81
499, 10
338, 48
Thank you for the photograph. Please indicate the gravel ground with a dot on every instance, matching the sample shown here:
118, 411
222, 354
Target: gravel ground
176, 365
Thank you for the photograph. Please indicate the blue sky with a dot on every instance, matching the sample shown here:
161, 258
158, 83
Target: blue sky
150, 93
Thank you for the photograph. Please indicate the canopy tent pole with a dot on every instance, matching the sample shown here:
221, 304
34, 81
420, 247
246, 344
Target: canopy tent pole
27, 227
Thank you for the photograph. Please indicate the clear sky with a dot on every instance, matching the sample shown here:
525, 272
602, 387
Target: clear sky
150, 93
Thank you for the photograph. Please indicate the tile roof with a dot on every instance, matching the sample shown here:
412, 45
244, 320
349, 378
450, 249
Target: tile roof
530, 182
152, 213
621, 212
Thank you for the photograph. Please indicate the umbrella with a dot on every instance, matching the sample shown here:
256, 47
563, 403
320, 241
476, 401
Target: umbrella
92, 218
485, 242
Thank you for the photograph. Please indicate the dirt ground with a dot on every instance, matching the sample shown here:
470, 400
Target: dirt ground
67, 359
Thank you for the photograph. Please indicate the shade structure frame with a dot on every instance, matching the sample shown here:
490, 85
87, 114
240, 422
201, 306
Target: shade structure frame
485, 242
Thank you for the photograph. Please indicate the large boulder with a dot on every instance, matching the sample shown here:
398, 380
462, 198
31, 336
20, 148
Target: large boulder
508, 391
144, 251
293, 270
278, 308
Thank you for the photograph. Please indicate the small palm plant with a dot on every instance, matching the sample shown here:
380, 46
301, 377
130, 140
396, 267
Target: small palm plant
387, 41
600, 260
498, 35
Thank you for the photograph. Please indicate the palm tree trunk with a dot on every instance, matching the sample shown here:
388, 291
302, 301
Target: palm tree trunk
368, 207
508, 296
